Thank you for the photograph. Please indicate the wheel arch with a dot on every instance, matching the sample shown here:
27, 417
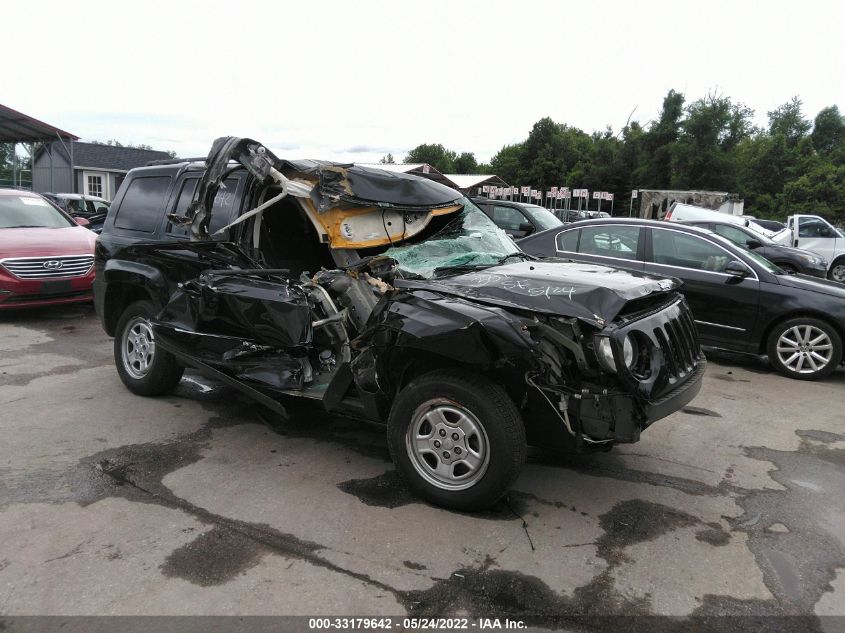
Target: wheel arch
835, 262
118, 297
821, 316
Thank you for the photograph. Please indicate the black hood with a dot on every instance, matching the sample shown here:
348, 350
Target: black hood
813, 284
590, 292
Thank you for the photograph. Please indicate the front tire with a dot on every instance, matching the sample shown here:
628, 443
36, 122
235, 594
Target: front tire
144, 369
456, 439
804, 348
837, 271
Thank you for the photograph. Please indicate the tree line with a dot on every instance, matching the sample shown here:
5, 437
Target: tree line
790, 165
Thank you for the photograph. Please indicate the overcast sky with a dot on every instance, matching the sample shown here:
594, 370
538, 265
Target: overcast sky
353, 80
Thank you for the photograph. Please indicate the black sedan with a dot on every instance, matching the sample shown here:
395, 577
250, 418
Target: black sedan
741, 301
518, 219
792, 260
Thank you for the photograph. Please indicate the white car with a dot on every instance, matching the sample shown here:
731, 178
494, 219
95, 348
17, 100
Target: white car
679, 212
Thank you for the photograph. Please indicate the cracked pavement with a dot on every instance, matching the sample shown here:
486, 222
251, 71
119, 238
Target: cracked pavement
203, 503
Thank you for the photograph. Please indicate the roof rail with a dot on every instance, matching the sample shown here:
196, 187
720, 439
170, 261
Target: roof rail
175, 161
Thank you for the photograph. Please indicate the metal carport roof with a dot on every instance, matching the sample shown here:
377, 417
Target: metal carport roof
17, 127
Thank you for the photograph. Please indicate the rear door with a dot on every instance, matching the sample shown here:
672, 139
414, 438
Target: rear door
617, 245
725, 307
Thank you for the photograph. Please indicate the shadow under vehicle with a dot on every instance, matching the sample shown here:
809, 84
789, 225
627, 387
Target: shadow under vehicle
390, 298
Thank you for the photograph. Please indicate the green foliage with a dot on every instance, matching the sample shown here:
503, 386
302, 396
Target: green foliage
387, 160
790, 166
435, 155
465, 163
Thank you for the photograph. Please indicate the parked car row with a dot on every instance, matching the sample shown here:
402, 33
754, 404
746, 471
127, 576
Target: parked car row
399, 301
741, 300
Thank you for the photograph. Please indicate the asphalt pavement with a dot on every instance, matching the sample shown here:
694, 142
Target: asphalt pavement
203, 503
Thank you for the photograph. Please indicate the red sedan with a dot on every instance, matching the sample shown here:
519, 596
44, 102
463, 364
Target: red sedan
46, 257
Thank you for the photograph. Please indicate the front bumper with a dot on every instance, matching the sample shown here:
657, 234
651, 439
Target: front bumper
31, 293
819, 270
619, 418
665, 376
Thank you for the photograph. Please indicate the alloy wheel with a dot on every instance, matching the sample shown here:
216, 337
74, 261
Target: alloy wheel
447, 445
804, 349
837, 273
138, 348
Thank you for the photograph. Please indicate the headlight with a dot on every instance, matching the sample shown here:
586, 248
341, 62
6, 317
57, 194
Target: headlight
604, 353
812, 259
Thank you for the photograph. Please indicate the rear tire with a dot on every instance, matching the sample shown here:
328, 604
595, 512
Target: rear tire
804, 348
457, 439
144, 370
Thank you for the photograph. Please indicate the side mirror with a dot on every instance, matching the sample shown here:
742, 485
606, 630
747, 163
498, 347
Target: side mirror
526, 227
752, 243
81, 221
737, 269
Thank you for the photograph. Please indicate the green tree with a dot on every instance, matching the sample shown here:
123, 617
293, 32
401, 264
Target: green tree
507, 164
703, 156
387, 160
435, 155
465, 163
829, 131
656, 170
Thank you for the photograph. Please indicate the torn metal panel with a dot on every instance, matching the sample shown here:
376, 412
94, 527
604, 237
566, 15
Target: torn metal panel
327, 187
269, 312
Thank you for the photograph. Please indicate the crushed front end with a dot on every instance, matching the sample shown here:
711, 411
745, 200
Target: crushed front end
605, 385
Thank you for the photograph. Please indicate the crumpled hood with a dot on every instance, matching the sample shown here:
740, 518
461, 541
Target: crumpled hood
593, 293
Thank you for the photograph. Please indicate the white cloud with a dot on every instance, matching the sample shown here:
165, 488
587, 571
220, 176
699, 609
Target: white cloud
330, 79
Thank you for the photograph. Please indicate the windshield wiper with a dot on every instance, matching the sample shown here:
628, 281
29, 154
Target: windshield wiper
26, 226
470, 266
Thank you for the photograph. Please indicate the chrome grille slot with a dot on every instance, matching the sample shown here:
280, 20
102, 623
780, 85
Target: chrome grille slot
48, 267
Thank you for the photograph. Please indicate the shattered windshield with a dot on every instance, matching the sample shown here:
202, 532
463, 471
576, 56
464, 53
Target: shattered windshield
471, 239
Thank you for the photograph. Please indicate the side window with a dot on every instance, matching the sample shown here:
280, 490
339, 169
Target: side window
687, 251
186, 194
568, 241
143, 203
813, 227
508, 218
732, 233
221, 210
610, 241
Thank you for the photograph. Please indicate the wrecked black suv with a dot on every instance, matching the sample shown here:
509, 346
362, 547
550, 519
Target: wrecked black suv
390, 298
